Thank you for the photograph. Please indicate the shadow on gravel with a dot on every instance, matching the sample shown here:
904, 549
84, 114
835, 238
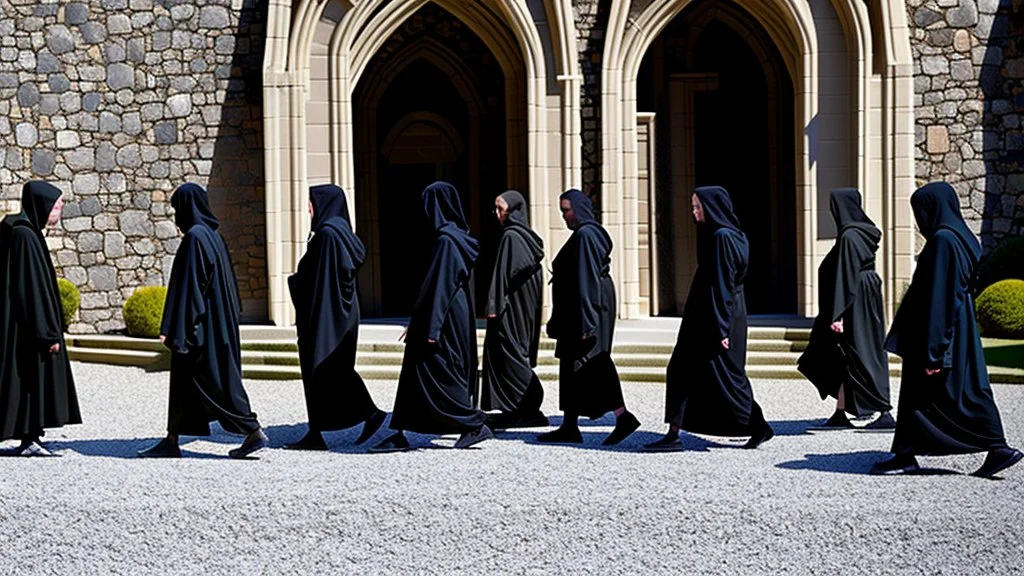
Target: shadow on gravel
123, 448
852, 463
793, 427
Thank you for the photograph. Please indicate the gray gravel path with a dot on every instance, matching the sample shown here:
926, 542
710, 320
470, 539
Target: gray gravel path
800, 505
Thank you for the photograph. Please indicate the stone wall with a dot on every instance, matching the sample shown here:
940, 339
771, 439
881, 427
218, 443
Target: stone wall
969, 101
591, 25
117, 102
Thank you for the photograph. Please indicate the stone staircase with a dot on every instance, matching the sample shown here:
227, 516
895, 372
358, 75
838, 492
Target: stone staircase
641, 352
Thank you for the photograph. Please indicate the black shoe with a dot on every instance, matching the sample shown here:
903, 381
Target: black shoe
667, 443
370, 427
765, 434
838, 421
475, 437
896, 465
499, 421
165, 448
998, 460
535, 420
563, 435
252, 443
625, 425
883, 422
313, 441
394, 443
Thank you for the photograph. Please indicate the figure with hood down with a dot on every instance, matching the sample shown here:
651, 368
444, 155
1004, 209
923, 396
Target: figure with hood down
323, 290
845, 356
514, 307
946, 404
439, 370
200, 327
707, 390
583, 324
37, 390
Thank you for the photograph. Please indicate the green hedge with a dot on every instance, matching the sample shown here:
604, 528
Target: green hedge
1006, 261
1000, 309
144, 310
70, 300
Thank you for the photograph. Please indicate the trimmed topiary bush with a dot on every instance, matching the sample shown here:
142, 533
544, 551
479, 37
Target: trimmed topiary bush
1000, 309
144, 311
1006, 261
70, 300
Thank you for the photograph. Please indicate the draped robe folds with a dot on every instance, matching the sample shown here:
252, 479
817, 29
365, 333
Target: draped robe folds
323, 290
200, 323
513, 325
707, 389
439, 369
850, 290
952, 412
583, 304
37, 390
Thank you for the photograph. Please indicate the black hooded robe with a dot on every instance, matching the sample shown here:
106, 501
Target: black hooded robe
707, 390
323, 290
200, 325
583, 306
37, 390
439, 368
850, 290
514, 309
951, 412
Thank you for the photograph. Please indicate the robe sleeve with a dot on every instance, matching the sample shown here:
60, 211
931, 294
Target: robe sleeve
589, 261
37, 308
851, 255
939, 293
723, 284
186, 299
325, 292
439, 289
497, 298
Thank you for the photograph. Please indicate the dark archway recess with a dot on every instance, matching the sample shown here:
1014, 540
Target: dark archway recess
430, 106
724, 105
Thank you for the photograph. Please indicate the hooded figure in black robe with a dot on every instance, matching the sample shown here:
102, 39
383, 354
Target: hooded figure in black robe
845, 358
439, 370
37, 390
707, 390
946, 404
583, 324
513, 321
200, 327
323, 290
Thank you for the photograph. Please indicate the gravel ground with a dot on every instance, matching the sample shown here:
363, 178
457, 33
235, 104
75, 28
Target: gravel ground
802, 504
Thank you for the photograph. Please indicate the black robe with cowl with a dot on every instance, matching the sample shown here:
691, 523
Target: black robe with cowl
323, 290
583, 316
439, 369
707, 390
37, 390
850, 290
951, 412
514, 308
200, 326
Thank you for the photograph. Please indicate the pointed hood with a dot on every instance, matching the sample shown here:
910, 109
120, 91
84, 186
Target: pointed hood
330, 208
845, 205
937, 206
443, 209
581, 206
519, 220
191, 207
718, 210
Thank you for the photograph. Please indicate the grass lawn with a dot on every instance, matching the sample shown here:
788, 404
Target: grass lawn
1004, 353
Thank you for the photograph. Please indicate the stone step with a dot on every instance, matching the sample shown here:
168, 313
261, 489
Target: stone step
120, 357
114, 342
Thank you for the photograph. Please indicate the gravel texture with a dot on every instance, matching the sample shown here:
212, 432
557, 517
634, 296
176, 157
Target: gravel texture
802, 504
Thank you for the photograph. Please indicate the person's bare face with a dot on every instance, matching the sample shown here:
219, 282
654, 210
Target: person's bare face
310, 208
55, 212
501, 209
697, 209
568, 215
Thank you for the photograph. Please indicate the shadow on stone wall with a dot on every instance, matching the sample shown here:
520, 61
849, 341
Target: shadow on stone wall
1002, 83
236, 178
